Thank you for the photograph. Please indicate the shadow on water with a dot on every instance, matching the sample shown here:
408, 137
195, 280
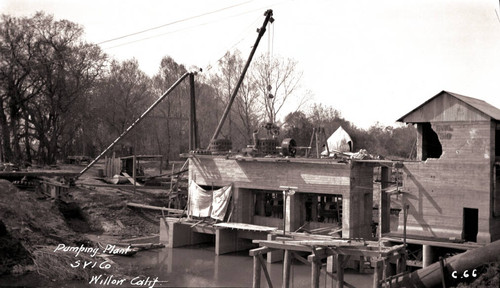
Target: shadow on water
198, 266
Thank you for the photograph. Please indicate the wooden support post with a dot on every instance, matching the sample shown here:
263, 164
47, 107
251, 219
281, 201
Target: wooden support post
377, 273
286, 269
256, 272
386, 272
330, 264
257, 252
400, 264
172, 179
316, 262
384, 224
264, 268
276, 255
340, 270
315, 273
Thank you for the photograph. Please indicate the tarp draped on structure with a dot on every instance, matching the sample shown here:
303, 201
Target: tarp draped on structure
339, 141
200, 201
220, 202
203, 203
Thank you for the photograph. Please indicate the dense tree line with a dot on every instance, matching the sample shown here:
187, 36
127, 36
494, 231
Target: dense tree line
61, 96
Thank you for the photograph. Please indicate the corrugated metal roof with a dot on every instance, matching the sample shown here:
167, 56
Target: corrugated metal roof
480, 105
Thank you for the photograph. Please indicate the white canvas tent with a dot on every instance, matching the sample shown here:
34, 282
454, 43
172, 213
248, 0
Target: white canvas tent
339, 141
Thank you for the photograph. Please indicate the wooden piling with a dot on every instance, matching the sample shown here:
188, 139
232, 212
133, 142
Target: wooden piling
377, 273
340, 270
258, 262
256, 272
401, 264
315, 273
264, 268
286, 268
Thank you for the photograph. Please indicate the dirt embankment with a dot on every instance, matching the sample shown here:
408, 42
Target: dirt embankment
28, 221
32, 224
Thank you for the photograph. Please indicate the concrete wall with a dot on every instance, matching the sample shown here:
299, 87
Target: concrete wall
358, 204
309, 175
439, 189
353, 181
243, 206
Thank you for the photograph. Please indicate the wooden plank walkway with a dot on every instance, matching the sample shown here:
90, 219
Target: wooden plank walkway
245, 226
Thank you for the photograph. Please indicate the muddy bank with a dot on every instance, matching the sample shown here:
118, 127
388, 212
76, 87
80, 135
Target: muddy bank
32, 225
28, 220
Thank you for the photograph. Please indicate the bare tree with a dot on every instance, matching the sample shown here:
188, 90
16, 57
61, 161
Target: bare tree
225, 82
277, 80
243, 116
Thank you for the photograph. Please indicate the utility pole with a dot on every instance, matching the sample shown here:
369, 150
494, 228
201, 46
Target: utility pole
193, 126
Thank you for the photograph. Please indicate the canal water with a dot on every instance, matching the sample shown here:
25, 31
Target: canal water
199, 267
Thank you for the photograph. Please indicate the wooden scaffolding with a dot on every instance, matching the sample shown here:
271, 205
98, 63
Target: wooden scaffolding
332, 253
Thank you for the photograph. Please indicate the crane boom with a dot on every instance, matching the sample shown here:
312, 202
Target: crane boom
262, 30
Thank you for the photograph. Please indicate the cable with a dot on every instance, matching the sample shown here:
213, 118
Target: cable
174, 22
178, 30
208, 67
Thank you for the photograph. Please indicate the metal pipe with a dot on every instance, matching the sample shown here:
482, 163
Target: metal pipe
459, 268
135, 122
262, 30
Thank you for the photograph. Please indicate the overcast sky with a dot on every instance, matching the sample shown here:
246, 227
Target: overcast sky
374, 61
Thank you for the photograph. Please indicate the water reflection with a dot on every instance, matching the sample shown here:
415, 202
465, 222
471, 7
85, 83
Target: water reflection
199, 267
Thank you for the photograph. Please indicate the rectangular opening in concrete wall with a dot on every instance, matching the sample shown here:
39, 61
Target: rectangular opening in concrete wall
431, 147
268, 203
268, 208
470, 224
323, 208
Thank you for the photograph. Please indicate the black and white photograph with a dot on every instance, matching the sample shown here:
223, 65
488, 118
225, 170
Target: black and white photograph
250, 143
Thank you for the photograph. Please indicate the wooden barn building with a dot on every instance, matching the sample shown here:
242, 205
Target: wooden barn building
453, 189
